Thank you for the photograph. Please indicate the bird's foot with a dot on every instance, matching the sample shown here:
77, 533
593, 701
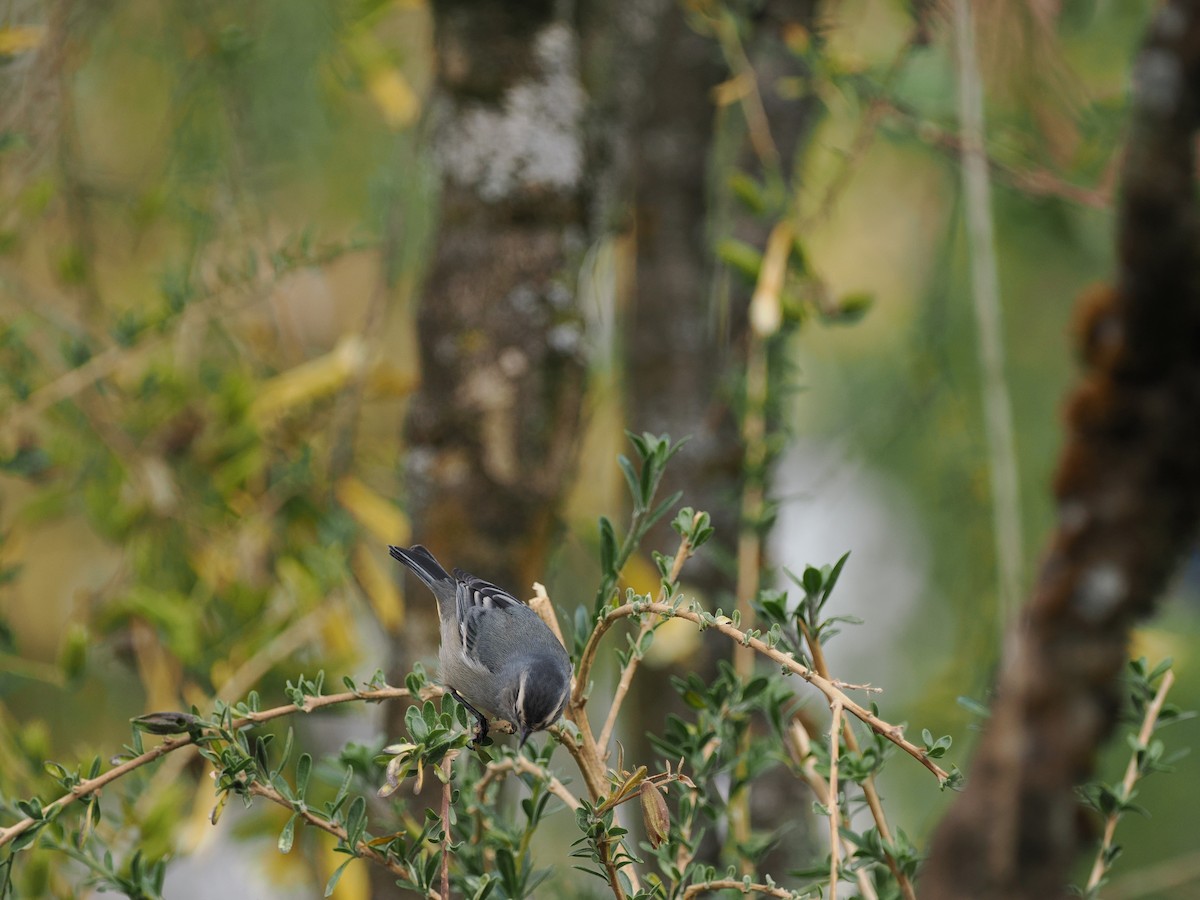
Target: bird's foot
479, 734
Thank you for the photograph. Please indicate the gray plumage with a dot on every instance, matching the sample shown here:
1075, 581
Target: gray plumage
497, 657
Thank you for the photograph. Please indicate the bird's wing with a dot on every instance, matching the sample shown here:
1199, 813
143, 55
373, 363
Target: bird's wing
475, 602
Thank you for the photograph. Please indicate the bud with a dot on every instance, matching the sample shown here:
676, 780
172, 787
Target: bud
655, 815
400, 757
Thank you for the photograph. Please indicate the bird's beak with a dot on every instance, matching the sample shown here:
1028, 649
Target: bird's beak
525, 733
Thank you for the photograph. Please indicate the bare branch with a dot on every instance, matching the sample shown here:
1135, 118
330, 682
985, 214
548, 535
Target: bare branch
311, 704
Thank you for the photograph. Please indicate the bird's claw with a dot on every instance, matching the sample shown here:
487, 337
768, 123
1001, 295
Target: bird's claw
479, 735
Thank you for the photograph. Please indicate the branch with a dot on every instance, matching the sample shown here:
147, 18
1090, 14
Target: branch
833, 694
311, 704
870, 792
1099, 867
261, 789
728, 884
681, 556
447, 765
835, 746
523, 764
614, 874
744, 86
807, 764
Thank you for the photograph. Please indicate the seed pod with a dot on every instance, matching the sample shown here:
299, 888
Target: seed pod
655, 815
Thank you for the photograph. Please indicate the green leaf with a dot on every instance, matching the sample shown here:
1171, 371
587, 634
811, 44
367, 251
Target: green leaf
288, 835
303, 769
631, 476
831, 579
356, 822
608, 546
811, 580
974, 707
336, 876
743, 258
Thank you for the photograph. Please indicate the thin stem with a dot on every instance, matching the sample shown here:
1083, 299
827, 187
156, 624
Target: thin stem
260, 789
985, 290
1099, 867
835, 744
888, 731
757, 123
610, 721
870, 792
447, 770
807, 764
765, 319
587, 658
311, 704
500, 767
728, 884
614, 874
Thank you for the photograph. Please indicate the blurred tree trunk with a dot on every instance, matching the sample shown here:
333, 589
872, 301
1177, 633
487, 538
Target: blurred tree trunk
493, 428
1128, 490
684, 341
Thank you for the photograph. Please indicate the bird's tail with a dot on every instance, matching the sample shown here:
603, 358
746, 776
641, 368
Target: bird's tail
424, 566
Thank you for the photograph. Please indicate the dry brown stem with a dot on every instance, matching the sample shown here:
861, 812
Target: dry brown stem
870, 792
630, 668
728, 884
835, 745
89, 786
259, 789
893, 733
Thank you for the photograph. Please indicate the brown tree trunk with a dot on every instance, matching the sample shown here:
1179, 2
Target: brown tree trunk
1128, 489
685, 342
492, 430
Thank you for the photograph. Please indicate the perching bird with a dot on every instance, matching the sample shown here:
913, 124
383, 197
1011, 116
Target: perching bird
497, 658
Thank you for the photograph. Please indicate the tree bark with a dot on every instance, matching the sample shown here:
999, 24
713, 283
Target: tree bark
1128, 489
492, 430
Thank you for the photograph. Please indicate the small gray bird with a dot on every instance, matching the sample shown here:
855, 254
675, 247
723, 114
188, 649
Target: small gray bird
498, 658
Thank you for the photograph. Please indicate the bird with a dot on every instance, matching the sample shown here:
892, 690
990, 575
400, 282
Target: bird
497, 658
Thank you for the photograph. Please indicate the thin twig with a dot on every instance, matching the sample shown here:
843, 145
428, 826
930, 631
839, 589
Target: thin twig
1099, 867
985, 291
870, 792
728, 884
893, 733
766, 316
614, 874
868, 126
801, 748
311, 704
835, 744
447, 771
757, 122
498, 768
260, 789
627, 673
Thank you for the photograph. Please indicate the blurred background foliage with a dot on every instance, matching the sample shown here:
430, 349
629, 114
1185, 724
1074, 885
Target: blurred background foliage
214, 220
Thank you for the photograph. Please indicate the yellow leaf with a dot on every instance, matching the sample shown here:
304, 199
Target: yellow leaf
394, 96
19, 38
312, 379
380, 587
380, 516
